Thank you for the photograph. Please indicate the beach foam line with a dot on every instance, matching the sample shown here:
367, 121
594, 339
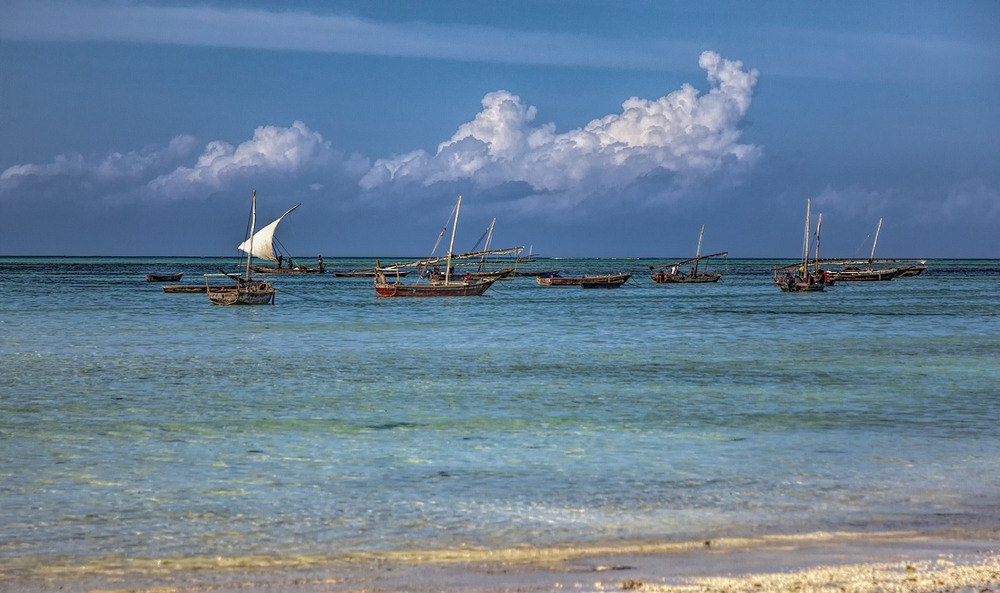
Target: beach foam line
801, 562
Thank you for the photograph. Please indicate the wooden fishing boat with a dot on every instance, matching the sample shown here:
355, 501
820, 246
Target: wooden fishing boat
557, 280
388, 281
672, 274
855, 274
798, 277
247, 291
394, 288
599, 281
852, 273
164, 277
608, 281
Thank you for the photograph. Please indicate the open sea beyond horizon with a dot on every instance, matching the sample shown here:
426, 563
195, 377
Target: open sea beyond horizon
145, 425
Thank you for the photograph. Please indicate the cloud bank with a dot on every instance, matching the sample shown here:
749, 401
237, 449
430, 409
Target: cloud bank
159, 172
685, 135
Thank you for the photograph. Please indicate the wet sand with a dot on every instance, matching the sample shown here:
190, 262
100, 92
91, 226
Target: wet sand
966, 561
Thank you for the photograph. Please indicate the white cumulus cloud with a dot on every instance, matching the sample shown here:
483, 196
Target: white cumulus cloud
684, 133
161, 171
272, 150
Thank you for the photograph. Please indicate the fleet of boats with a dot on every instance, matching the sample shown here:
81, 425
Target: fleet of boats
807, 275
800, 277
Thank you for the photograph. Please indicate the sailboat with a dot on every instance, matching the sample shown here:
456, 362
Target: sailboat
671, 273
261, 245
247, 291
852, 273
798, 277
429, 284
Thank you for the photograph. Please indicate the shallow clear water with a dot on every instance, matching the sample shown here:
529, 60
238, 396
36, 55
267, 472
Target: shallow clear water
145, 424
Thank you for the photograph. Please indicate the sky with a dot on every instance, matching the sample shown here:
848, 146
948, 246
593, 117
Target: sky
585, 128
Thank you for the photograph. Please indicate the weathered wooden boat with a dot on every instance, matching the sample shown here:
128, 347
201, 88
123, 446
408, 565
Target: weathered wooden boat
855, 274
599, 281
557, 280
164, 277
386, 287
293, 270
388, 281
852, 272
798, 277
608, 281
672, 274
248, 291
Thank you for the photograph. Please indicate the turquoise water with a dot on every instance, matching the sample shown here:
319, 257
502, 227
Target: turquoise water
149, 425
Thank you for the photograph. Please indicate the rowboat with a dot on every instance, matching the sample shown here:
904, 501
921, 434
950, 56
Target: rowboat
608, 281
164, 277
600, 281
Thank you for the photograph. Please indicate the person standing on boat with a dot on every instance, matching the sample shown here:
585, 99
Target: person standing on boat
279, 260
319, 261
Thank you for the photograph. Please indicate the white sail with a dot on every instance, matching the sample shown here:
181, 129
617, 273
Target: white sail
262, 242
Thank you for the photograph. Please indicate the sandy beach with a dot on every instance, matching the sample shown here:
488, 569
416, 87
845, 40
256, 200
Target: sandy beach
937, 561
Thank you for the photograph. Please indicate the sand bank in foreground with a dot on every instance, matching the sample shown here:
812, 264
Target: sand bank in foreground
962, 561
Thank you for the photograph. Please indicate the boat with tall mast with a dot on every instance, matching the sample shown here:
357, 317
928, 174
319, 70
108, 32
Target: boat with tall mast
798, 277
672, 273
247, 290
432, 282
853, 273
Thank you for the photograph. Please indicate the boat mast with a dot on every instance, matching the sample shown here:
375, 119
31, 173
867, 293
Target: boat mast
819, 221
447, 272
487, 247
805, 239
872, 256
697, 252
253, 223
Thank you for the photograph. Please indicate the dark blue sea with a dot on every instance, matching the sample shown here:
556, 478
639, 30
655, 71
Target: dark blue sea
146, 425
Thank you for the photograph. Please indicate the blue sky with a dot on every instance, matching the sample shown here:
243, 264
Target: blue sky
587, 129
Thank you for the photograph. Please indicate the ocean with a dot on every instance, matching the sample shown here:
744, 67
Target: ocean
144, 425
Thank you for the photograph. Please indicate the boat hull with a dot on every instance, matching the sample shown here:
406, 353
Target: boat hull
164, 277
605, 281
800, 284
866, 275
245, 293
298, 270
665, 278
433, 289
